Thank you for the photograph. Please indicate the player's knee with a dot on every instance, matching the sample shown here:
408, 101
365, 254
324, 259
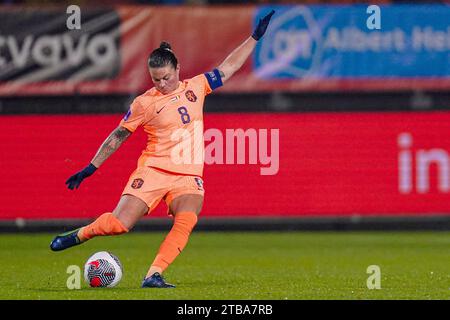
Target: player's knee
186, 203
126, 224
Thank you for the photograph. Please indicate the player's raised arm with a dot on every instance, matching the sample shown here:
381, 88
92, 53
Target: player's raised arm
108, 147
236, 59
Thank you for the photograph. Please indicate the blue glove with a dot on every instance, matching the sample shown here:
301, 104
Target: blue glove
262, 26
75, 180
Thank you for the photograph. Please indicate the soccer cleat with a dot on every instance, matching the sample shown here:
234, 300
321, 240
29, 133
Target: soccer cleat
156, 281
65, 240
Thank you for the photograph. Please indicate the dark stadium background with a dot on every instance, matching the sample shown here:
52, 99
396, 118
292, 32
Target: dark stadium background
341, 136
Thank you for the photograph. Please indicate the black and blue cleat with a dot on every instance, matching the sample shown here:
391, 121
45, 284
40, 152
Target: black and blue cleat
156, 281
65, 240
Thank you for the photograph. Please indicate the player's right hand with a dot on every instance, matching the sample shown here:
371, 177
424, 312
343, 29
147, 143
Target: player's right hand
75, 180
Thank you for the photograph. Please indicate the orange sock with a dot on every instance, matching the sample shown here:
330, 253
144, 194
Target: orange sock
105, 225
176, 240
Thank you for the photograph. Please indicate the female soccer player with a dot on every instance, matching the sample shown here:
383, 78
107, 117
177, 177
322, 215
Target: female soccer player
170, 168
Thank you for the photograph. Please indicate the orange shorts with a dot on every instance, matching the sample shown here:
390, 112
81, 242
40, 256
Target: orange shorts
151, 185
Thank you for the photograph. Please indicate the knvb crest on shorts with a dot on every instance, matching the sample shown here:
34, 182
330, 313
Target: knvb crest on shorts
191, 96
137, 183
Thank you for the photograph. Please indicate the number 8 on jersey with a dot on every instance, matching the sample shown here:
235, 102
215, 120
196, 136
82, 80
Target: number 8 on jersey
185, 118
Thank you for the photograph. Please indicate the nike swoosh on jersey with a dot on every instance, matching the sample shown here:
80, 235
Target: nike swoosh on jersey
158, 111
171, 100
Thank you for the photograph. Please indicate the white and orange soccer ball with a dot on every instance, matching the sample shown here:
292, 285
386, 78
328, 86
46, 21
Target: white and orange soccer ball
103, 269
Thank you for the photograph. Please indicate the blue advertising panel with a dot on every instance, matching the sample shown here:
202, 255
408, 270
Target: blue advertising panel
413, 41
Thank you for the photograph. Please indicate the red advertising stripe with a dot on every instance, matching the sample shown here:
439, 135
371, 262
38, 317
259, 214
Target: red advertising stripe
327, 164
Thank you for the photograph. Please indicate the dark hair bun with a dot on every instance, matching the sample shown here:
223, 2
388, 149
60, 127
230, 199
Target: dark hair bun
165, 45
162, 56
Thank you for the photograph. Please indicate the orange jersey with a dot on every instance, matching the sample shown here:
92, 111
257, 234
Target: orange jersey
174, 125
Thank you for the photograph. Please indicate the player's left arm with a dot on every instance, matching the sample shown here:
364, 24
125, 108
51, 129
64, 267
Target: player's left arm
234, 61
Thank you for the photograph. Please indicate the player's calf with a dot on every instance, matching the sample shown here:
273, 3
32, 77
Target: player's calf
105, 225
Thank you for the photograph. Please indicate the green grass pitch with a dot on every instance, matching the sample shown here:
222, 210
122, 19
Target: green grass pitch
236, 266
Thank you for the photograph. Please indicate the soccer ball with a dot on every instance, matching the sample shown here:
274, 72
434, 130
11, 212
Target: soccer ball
103, 269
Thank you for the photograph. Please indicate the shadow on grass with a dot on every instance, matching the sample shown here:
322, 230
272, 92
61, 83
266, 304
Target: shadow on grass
64, 289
